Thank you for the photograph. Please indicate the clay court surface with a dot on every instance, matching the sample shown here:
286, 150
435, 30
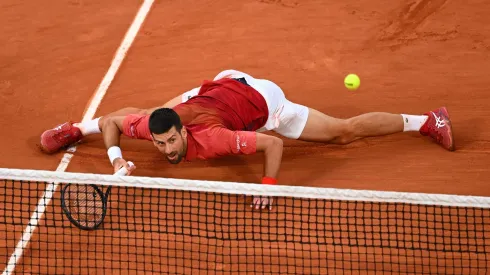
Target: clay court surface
411, 56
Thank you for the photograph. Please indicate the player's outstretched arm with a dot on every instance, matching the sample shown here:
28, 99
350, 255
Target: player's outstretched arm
112, 127
272, 148
228, 142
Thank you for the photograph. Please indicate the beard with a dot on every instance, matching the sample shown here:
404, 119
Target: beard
176, 158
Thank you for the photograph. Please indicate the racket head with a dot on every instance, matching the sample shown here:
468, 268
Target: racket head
84, 205
107, 193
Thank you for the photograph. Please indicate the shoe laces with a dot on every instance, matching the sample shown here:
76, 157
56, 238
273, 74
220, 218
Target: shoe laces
436, 132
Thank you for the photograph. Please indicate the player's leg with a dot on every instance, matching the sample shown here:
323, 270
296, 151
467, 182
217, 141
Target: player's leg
94, 126
300, 122
320, 127
308, 124
68, 133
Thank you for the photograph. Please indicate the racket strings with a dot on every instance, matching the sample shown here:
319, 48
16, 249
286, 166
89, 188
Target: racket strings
85, 204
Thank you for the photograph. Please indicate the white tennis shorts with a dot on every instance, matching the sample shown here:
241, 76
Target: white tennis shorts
285, 117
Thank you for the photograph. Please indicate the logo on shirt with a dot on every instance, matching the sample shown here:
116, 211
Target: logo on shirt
132, 130
238, 142
243, 144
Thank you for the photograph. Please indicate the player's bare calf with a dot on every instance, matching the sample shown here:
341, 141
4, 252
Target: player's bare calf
323, 128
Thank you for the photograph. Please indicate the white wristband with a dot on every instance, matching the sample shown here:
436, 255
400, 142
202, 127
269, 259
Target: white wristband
113, 153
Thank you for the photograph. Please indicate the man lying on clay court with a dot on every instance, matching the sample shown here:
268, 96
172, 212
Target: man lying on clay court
226, 117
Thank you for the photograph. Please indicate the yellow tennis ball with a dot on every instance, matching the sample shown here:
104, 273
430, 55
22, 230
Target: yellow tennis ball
352, 82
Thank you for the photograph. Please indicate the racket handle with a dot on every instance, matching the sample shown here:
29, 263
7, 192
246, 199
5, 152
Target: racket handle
123, 171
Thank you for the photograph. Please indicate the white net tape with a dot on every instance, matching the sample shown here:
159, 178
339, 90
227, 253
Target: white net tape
245, 188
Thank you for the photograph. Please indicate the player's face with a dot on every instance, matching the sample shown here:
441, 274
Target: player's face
172, 144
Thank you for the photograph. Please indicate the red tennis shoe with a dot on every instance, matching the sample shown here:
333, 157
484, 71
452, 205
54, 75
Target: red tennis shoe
438, 126
61, 136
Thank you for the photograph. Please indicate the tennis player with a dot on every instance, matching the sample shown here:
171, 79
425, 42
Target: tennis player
228, 115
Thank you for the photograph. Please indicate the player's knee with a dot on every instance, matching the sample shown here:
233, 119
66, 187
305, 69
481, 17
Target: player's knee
345, 131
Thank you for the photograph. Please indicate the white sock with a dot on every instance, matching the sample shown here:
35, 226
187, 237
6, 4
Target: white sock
89, 127
413, 123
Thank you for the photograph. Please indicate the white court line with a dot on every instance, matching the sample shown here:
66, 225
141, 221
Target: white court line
89, 114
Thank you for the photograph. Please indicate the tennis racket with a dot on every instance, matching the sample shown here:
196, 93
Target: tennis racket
85, 205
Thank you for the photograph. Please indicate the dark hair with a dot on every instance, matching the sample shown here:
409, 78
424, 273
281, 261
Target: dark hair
163, 119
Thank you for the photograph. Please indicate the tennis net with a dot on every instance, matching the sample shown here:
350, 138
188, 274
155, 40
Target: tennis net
173, 226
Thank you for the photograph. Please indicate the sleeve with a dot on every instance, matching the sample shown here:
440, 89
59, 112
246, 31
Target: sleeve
228, 142
137, 126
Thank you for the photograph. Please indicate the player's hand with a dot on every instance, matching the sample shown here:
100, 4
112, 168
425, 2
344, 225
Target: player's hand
262, 202
119, 163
